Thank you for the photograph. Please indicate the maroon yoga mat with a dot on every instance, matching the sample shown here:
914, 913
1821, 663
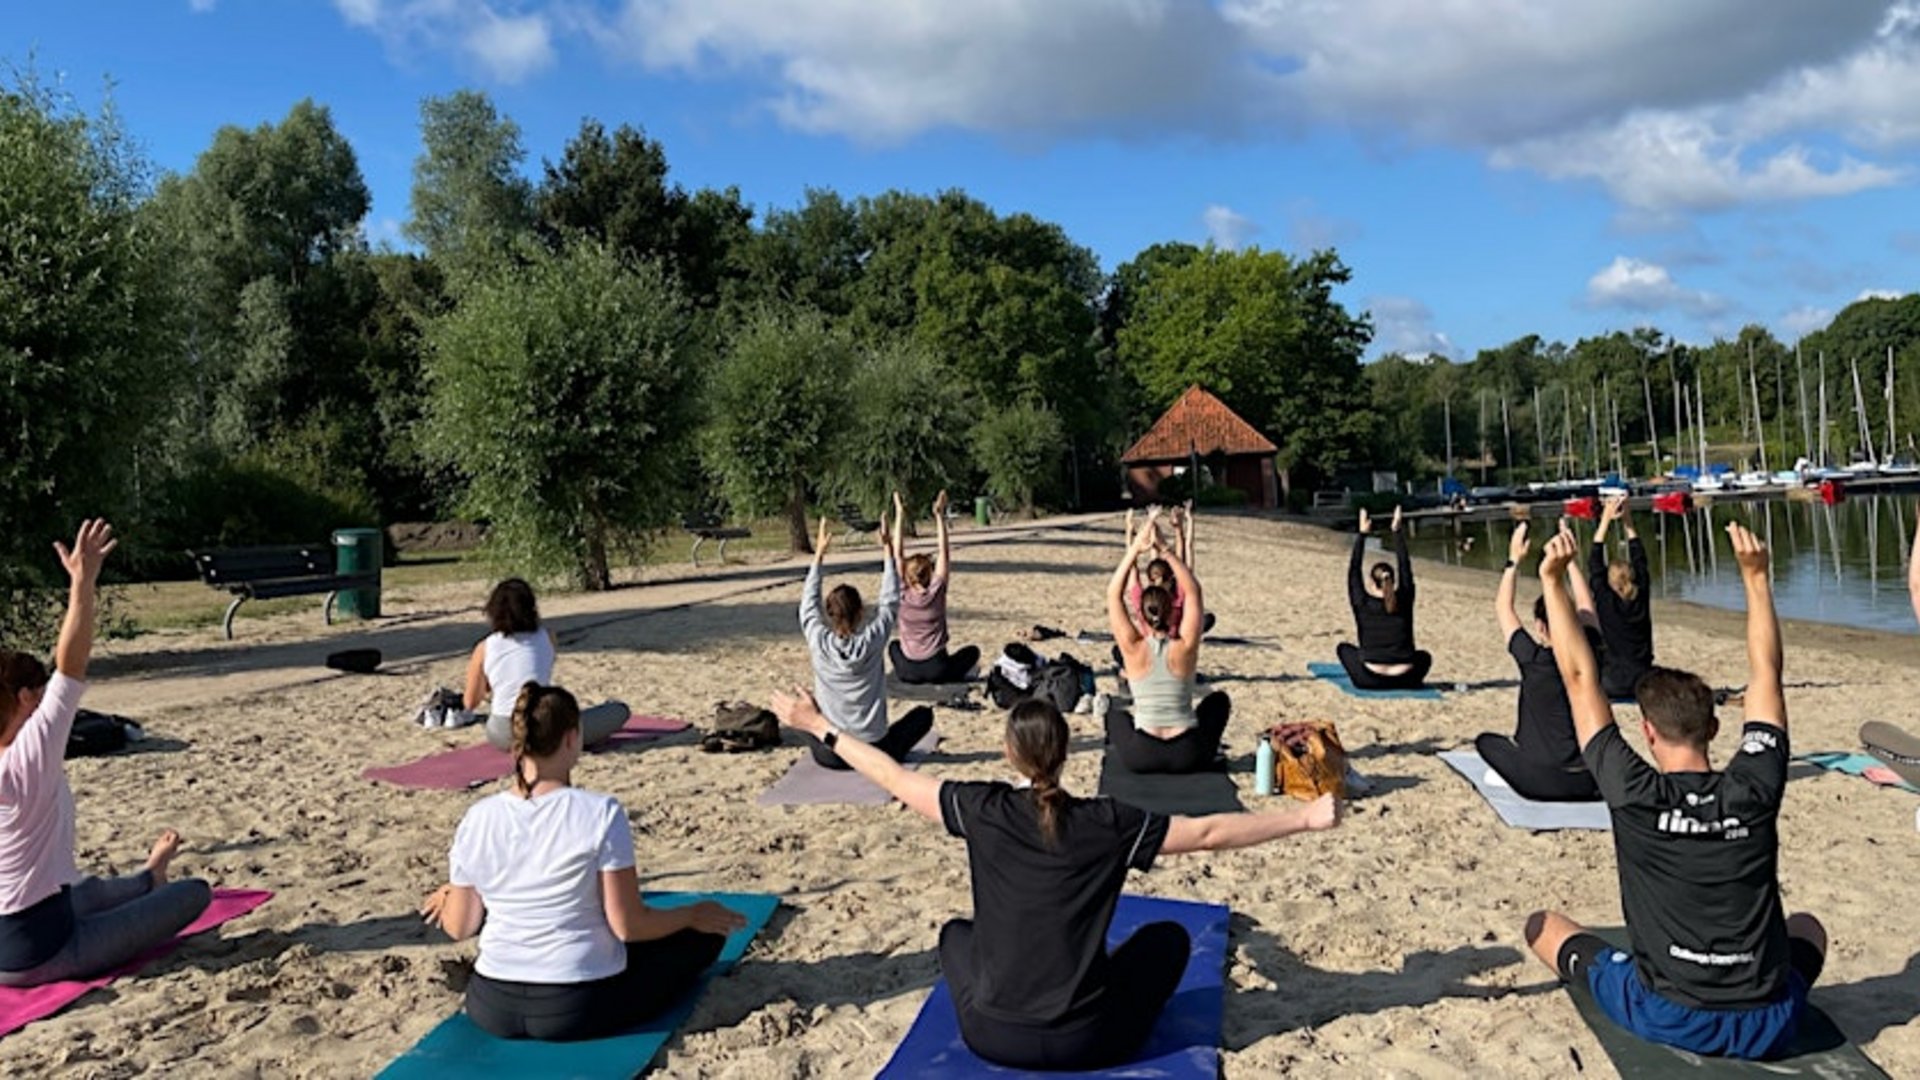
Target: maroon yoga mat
471, 766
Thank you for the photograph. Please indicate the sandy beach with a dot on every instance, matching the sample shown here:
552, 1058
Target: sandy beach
1390, 947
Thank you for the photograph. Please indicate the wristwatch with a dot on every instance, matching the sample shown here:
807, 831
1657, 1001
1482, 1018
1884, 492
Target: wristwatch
1510, 565
830, 739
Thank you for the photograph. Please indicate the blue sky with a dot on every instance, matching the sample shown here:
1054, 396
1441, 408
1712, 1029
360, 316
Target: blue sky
1487, 170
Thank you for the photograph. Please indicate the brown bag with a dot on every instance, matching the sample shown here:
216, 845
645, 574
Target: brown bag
1308, 760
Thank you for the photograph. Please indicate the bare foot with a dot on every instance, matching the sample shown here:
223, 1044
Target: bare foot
164, 849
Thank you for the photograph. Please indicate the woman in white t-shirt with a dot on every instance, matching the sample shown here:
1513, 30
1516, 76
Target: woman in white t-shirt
544, 874
518, 652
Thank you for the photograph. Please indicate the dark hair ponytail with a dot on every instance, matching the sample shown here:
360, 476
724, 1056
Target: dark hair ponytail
1389, 585
542, 718
1156, 608
1037, 741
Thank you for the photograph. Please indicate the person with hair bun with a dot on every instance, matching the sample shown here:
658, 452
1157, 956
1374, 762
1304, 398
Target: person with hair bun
1032, 979
544, 873
1382, 601
520, 651
1163, 732
1625, 606
849, 651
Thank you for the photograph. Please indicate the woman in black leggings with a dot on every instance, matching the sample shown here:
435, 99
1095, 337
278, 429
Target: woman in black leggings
1382, 602
1542, 760
1032, 979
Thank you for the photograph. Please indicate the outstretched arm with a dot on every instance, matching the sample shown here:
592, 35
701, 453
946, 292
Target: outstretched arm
1503, 611
1613, 508
797, 710
1582, 591
1766, 696
91, 546
945, 559
1186, 536
1218, 832
1405, 582
1124, 632
1193, 615
1356, 580
1592, 712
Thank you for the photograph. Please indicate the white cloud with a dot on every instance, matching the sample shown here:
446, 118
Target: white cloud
201, 7
363, 13
507, 48
1228, 228
1404, 325
1802, 321
510, 48
1637, 285
1309, 229
1878, 294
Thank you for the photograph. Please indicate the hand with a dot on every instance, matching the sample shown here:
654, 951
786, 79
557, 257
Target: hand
1396, 518
91, 546
1518, 545
797, 710
1366, 522
1147, 537
1616, 508
1559, 555
1750, 551
1566, 526
435, 903
940, 505
1322, 813
1153, 513
825, 540
709, 917
899, 503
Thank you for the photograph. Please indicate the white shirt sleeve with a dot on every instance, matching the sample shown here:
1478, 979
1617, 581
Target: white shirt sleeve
40, 746
460, 868
616, 843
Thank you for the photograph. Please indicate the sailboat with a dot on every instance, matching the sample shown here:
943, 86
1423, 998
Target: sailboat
1869, 464
1891, 464
1763, 476
1708, 481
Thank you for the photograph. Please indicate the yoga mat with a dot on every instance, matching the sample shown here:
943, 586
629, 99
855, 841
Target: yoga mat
1895, 748
1865, 766
458, 1048
1337, 675
471, 766
809, 783
22, 1006
1818, 1051
1193, 794
1185, 1044
1525, 813
933, 693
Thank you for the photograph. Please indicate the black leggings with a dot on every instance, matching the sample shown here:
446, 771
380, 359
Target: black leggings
1530, 779
1193, 750
658, 974
1365, 678
942, 667
1142, 975
900, 737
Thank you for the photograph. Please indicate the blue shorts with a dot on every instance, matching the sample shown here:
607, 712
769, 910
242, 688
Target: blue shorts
1753, 1034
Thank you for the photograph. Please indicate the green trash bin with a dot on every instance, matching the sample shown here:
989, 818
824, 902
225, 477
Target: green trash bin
359, 551
982, 510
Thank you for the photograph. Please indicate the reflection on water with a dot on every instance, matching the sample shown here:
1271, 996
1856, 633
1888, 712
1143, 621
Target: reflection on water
1839, 564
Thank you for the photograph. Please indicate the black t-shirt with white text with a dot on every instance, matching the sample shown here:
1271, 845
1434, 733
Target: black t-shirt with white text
1698, 855
1545, 732
1041, 912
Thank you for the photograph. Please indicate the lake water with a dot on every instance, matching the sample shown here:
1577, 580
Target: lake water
1842, 564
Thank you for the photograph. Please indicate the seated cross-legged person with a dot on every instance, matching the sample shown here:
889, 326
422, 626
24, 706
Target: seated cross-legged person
519, 651
1382, 601
848, 649
920, 655
1163, 732
1033, 981
1716, 967
1542, 760
545, 875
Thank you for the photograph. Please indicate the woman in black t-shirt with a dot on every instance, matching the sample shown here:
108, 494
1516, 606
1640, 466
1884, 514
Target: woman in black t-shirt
1032, 980
1382, 600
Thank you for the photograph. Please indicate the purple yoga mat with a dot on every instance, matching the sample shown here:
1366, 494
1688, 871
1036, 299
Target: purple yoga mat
22, 1006
810, 784
471, 766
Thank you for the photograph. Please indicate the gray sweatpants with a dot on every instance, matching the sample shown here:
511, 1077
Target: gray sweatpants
115, 920
596, 723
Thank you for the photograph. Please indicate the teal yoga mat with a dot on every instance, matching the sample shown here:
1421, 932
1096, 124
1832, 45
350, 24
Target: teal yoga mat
458, 1048
1337, 675
1819, 1051
1851, 764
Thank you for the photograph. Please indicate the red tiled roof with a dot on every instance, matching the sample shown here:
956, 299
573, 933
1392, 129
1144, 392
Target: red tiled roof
1198, 423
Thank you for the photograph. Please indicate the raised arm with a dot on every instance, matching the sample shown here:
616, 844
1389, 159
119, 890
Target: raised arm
944, 561
1186, 525
1503, 598
897, 550
812, 625
920, 792
1582, 589
91, 546
1913, 569
1124, 632
1193, 616
1404, 583
1637, 561
1592, 712
1218, 832
1766, 697
1612, 509
1356, 578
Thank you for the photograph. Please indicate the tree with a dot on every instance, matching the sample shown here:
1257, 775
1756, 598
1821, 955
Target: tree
561, 393
469, 201
906, 431
778, 406
1019, 448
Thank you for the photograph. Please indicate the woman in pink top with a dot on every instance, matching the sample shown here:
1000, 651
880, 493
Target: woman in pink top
920, 655
54, 924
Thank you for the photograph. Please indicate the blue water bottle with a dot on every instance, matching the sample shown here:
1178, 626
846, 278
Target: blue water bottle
1263, 768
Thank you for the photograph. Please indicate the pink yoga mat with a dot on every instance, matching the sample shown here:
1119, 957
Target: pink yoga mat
22, 1006
471, 766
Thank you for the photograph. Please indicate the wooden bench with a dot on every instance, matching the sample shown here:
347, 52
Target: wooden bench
856, 520
705, 527
267, 573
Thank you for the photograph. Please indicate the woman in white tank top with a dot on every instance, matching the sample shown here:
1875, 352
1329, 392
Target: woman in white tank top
518, 652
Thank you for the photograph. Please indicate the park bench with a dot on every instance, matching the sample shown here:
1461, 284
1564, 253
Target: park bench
267, 573
857, 521
705, 527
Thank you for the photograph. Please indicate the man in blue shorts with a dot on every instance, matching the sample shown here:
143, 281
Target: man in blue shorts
1716, 967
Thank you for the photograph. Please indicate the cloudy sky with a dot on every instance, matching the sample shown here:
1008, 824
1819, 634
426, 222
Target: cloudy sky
1489, 168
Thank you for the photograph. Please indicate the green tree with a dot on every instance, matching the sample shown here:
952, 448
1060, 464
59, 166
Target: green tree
778, 406
561, 392
470, 204
906, 431
1019, 448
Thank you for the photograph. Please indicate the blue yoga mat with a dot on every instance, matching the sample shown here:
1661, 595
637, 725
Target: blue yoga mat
1851, 764
1185, 1042
1337, 675
458, 1048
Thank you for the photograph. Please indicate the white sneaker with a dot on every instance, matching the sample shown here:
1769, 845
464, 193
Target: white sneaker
1084, 705
1102, 704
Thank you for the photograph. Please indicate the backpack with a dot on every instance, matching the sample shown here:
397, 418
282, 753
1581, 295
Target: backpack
97, 734
1063, 680
739, 726
1011, 679
1309, 760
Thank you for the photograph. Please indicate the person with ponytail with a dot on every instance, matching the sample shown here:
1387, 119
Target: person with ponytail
1032, 979
55, 925
520, 650
544, 873
1382, 600
1160, 572
1625, 606
1164, 732
920, 653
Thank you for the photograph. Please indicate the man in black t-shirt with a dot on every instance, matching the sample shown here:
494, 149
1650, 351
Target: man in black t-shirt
1716, 967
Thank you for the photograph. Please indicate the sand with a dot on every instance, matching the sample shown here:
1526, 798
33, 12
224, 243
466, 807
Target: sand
1390, 947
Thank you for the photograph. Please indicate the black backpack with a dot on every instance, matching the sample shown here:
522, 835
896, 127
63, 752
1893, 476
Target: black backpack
96, 734
1061, 681
739, 726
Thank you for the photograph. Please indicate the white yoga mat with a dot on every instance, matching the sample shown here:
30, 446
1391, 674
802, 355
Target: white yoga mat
1525, 813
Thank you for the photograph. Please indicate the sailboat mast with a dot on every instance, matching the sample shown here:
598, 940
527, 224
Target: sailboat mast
1540, 432
1860, 413
1888, 456
1566, 421
1700, 421
1506, 429
1759, 429
1826, 440
1447, 405
1806, 424
1653, 424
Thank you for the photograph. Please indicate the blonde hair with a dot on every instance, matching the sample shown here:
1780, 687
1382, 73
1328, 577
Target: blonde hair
919, 570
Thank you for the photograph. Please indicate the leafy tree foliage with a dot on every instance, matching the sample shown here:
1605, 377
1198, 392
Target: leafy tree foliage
470, 204
906, 428
1019, 449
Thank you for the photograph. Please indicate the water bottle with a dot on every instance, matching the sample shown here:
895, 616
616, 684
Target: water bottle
1263, 767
